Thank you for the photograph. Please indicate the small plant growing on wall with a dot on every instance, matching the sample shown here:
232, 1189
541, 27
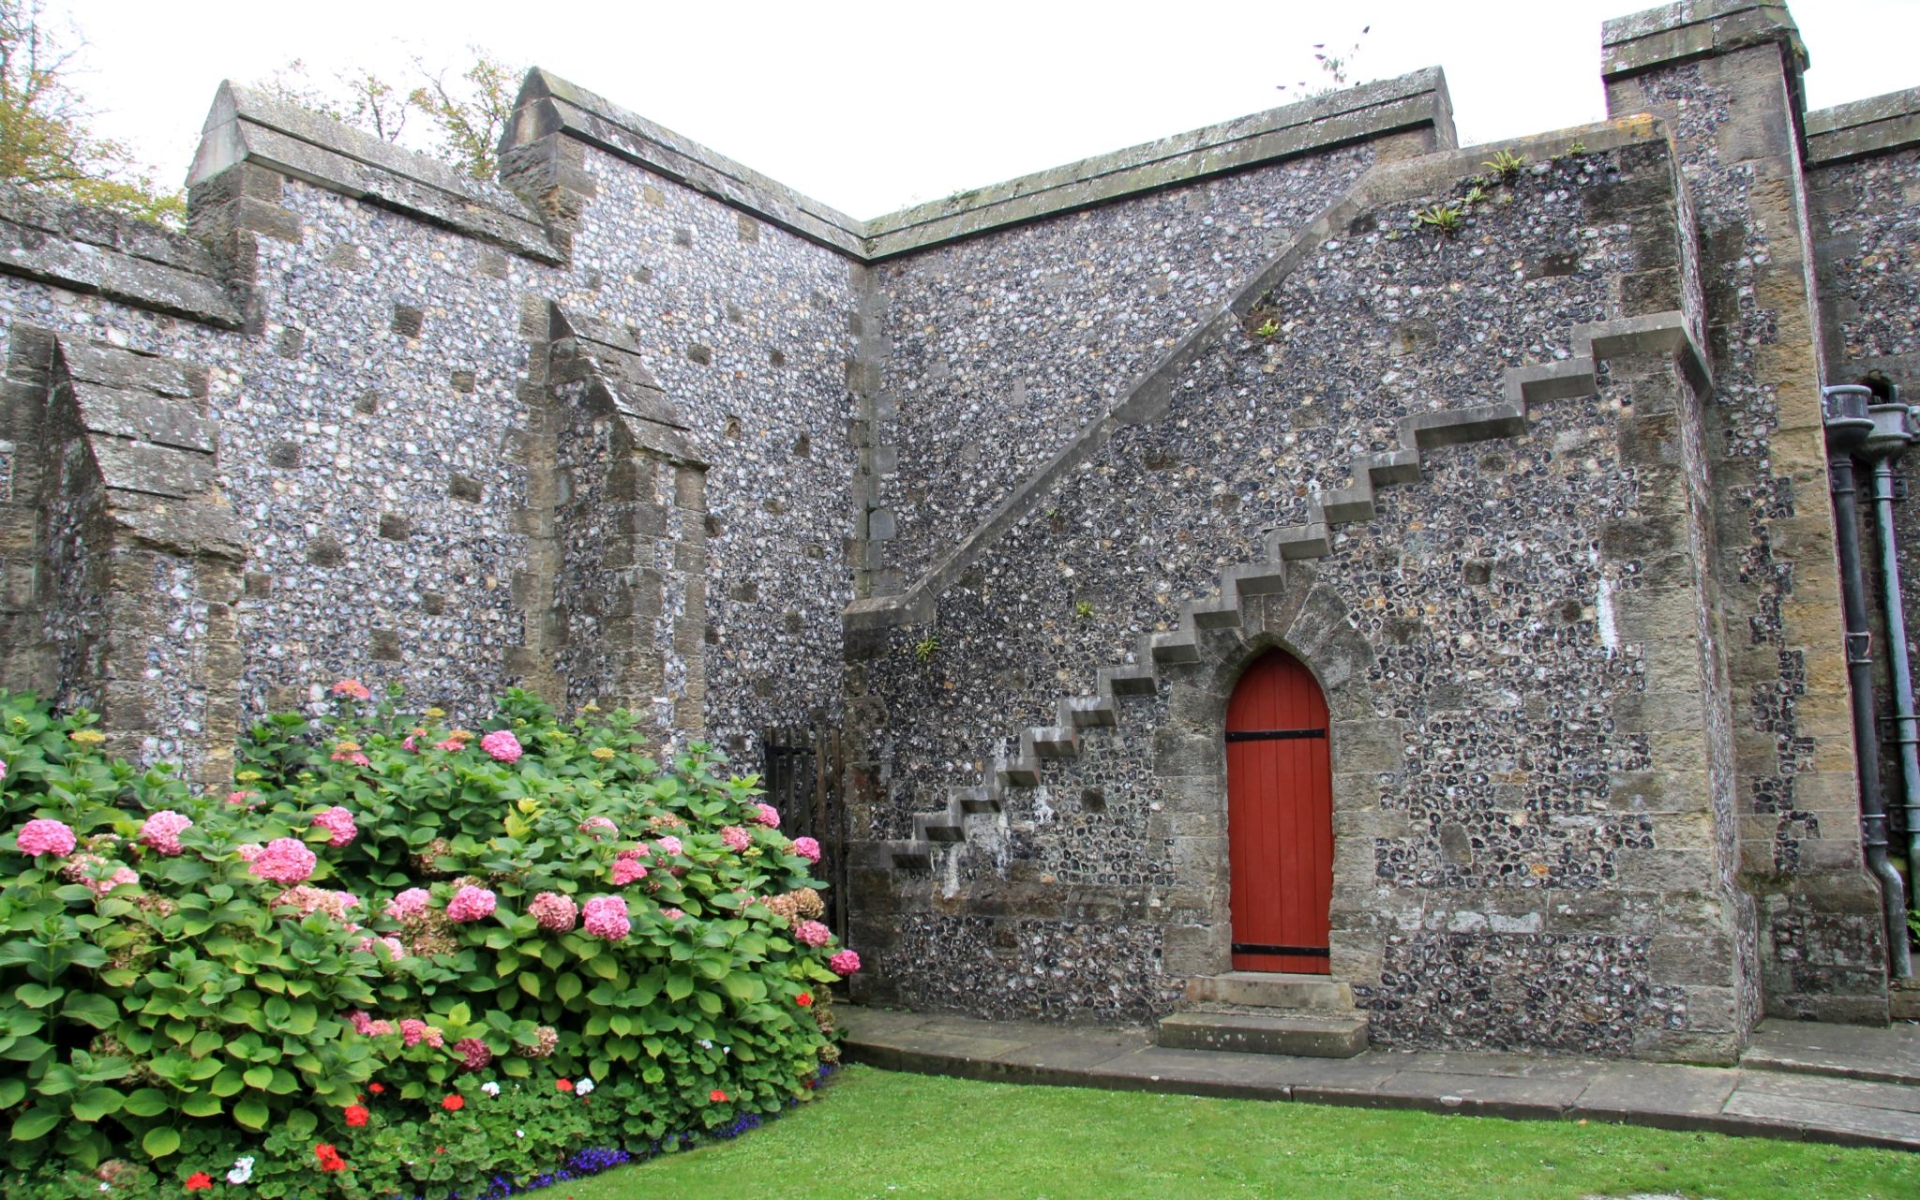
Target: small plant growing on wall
1506, 165
926, 648
1083, 609
1444, 219
1262, 321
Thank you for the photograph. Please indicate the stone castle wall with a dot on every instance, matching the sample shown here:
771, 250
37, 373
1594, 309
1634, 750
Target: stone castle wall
1012, 486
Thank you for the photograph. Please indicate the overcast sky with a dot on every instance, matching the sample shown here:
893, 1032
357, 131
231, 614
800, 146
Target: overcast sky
871, 106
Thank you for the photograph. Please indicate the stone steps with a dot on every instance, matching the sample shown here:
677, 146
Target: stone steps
1522, 387
1305, 1035
1271, 989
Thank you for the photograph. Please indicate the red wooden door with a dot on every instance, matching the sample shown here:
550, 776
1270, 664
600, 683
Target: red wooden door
1279, 818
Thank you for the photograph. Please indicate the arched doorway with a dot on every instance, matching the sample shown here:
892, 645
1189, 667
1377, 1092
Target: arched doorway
1279, 818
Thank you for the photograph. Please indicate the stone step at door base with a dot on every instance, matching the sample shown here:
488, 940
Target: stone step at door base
1272, 989
1307, 1034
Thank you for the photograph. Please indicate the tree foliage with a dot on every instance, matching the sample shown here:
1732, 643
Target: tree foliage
47, 141
466, 111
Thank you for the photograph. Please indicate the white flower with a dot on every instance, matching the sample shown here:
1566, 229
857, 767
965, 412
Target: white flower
519, 1133
707, 1042
583, 1087
490, 1088
242, 1170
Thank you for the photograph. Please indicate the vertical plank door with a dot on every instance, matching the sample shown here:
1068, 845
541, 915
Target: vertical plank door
1279, 818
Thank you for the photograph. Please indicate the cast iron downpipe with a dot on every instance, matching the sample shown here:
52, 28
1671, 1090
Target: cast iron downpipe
1894, 431
1844, 409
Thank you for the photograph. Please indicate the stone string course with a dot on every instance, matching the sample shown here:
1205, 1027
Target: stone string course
1011, 487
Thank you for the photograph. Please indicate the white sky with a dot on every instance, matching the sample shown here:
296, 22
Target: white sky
871, 106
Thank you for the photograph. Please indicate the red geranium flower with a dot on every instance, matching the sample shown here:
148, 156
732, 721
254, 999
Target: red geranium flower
565, 1085
804, 999
356, 1116
717, 1096
199, 1181
454, 1103
377, 1088
330, 1159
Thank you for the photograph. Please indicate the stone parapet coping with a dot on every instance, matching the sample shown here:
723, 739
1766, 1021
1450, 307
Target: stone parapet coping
1879, 125
1691, 29
90, 250
549, 104
1834, 1108
1147, 398
246, 125
1412, 101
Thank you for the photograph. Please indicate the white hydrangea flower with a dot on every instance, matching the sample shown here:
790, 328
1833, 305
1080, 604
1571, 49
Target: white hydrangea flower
242, 1170
490, 1088
583, 1087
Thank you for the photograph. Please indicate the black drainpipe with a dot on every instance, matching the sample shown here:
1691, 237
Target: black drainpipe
1848, 425
1894, 431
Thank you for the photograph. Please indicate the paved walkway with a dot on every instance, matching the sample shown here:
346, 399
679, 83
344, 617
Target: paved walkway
1824, 1083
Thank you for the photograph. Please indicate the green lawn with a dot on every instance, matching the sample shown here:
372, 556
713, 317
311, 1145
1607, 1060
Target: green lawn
880, 1134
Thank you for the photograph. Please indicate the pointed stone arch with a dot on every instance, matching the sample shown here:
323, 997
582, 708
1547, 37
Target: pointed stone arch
1314, 623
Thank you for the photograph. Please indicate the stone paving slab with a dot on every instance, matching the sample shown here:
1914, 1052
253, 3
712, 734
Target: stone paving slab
1838, 1106
1854, 1051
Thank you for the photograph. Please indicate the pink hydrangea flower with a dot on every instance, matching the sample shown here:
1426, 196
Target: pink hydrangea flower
406, 743
409, 904
352, 756
606, 917
474, 1055
249, 852
241, 799
626, 871
672, 914
353, 689
161, 832
470, 904
380, 1028
46, 836
413, 1030
736, 838
556, 913
286, 861
338, 822
309, 900
3, 769
450, 744
671, 845
86, 869
592, 825
766, 814
844, 963
807, 848
502, 745
395, 948
811, 933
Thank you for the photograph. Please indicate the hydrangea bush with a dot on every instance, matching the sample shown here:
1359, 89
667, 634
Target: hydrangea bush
394, 958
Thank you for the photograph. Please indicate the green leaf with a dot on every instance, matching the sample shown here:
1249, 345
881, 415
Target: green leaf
679, 986
567, 987
160, 1142
258, 1077
252, 1113
606, 966
202, 1104
517, 1068
710, 1003
12, 1091
530, 984
36, 995
227, 1083
301, 1122
146, 1102
98, 1102
37, 1123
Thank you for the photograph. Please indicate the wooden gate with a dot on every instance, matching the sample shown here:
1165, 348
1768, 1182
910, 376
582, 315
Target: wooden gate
1279, 818
802, 776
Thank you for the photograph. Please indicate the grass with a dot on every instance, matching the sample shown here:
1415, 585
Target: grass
880, 1134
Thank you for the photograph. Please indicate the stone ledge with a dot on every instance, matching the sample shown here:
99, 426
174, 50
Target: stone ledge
86, 249
1413, 101
1677, 33
1879, 125
245, 125
549, 104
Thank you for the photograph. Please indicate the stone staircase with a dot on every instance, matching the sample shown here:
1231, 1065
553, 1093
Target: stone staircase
1522, 388
1256, 1012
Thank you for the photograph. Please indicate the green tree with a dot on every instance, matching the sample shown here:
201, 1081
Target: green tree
47, 141
467, 112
